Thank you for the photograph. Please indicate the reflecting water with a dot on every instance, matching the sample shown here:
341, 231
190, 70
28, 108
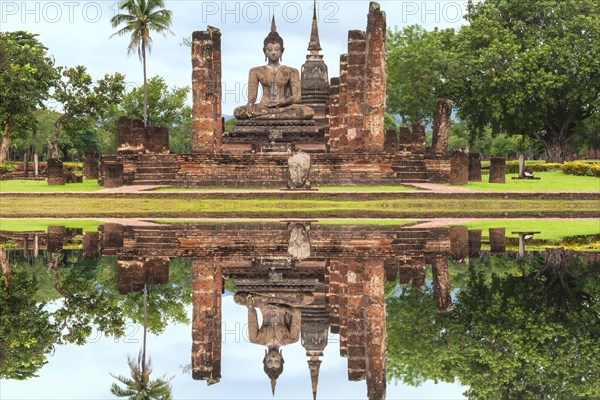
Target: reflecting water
300, 310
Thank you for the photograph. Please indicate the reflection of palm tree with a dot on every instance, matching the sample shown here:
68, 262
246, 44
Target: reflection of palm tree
139, 386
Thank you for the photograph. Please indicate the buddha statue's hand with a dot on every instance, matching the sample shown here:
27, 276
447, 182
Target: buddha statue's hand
250, 109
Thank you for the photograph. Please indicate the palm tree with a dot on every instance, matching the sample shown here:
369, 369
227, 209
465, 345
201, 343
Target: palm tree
139, 386
141, 17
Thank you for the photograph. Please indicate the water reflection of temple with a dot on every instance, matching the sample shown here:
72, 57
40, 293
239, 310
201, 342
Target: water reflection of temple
342, 267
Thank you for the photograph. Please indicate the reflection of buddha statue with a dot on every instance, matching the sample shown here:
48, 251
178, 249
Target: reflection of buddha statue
280, 325
280, 84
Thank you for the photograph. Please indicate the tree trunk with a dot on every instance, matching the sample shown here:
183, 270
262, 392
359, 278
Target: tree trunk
5, 143
5, 268
53, 144
145, 83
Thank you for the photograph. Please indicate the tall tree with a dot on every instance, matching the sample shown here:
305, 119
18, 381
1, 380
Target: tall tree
531, 67
26, 76
141, 17
82, 100
421, 68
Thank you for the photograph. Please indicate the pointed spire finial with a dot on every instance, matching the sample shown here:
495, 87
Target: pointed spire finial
314, 365
273, 384
314, 45
273, 26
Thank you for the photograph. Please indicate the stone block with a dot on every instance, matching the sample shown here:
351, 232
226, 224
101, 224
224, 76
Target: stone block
475, 243
56, 174
497, 240
459, 242
113, 175
91, 164
497, 170
459, 168
56, 238
91, 245
475, 167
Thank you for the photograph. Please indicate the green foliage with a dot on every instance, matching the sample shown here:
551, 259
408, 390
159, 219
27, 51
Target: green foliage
7, 167
421, 69
230, 125
512, 167
139, 386
581, 168
82, 101
390, 123
531, 68
26, 76
550, 181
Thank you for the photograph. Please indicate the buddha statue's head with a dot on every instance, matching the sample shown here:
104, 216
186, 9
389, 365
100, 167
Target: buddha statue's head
273, 365
273, 44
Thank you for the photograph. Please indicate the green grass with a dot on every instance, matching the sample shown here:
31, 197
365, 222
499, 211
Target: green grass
550, 229
551, 181
41, 225
366, 222
66, 206
27, 186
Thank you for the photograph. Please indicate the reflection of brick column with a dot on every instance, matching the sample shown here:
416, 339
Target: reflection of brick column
497, 170
497, 240
374, 312
441, 284
206, 91
56, 237
112, 235
343, 314
475, 243
459, 242
475, 167
375, 79
441, 126
356, 320
91, 242
206, 320
335, 288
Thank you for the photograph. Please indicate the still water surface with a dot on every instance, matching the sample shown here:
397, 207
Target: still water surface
344, 311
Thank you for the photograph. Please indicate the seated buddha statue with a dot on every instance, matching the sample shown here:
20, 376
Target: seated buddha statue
280, 85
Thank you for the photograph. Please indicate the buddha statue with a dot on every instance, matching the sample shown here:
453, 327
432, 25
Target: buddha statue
280, 85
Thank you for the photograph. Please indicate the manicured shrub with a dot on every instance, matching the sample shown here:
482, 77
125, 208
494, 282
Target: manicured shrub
8, 167
581, 168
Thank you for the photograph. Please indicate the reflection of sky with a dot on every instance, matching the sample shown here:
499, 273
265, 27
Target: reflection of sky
82, 372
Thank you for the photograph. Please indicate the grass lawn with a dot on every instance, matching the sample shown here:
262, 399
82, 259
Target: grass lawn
88, 185
170, 207
551, 181
550, 229
41, 225
319, 188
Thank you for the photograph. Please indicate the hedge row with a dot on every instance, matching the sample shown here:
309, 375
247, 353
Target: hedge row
9, 166
512, 167
581, 168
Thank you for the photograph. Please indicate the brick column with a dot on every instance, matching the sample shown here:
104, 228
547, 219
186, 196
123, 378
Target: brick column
333, 111
459, 242
441, 284
497, 240
337, 133
355, 116
56, 175
375, 79
441, 126
418, 139
497, 170
475, 167
207, 128
475, 243
206, 320
374, 311
459, 168
90, 164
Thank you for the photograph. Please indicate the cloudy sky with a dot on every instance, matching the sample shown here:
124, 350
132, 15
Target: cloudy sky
77, 32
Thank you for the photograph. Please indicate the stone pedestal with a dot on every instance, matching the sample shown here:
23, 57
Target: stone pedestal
497, 170
475, 243
475, 167
113, 175
497, 240
459, 168
56, 175
90, 164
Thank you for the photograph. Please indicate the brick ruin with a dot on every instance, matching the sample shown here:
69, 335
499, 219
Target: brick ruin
345, 139
344, 268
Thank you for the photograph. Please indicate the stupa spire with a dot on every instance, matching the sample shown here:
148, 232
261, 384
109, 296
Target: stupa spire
314, 45
314, 364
